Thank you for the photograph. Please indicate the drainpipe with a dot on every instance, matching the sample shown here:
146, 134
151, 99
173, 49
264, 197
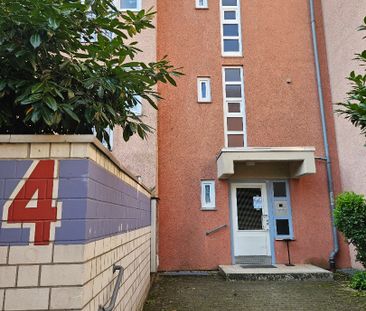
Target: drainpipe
332, 261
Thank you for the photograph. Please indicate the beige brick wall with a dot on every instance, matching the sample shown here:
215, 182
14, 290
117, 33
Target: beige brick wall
66, 147
73, 277
76, 277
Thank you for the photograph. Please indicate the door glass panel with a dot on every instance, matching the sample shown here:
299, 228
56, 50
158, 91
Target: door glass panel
249, 217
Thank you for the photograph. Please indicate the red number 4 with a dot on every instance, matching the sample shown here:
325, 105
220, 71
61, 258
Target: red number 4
33, 202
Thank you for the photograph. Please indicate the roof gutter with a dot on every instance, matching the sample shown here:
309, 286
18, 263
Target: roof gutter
332, 260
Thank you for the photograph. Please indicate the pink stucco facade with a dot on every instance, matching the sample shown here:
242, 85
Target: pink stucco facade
343, 41
282, 110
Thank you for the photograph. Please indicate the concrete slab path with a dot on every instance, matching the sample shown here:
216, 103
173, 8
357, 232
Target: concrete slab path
211, 293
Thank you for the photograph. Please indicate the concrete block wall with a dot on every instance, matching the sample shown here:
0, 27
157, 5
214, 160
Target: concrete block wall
60, 256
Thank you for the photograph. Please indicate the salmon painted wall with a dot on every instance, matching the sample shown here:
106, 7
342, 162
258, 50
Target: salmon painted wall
343, 41
277, 50
140, 156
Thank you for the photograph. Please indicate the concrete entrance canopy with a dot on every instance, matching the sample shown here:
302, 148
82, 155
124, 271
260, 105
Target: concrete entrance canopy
271, 162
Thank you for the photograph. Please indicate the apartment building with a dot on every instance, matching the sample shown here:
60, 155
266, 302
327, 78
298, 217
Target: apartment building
242, 171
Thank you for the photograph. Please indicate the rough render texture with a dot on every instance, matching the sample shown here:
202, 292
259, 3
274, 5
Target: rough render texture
341, 19
137, 155
277, 48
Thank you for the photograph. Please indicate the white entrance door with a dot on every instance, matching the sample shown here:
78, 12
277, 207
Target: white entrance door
250, 220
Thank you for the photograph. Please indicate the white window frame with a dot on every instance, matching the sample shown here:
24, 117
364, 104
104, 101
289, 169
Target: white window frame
200, 97
110, 133
204, 4
241, 100
212, 204
117, 4
137, 109
236, 21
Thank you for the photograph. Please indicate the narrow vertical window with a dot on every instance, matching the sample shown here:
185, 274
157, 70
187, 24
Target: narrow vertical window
137, 109
201, 4
231, 28
104, 142
204, 90
208, 194
234, 107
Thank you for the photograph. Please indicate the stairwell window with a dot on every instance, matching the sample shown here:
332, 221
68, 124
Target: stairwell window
201, 4
204, 90
131, 5
231, 28
208, 195
234, 107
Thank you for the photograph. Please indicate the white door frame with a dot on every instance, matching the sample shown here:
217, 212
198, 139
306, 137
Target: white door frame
254, 235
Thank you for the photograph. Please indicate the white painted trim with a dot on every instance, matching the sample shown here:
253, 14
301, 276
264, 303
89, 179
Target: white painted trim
237, 21
200, 97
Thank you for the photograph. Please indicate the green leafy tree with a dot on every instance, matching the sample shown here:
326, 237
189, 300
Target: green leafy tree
67, 67
354, 109
350, 218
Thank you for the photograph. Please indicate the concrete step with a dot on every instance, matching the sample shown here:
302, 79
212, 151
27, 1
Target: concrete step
278, 272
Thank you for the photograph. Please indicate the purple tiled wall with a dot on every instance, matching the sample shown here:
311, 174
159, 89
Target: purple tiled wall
95, 203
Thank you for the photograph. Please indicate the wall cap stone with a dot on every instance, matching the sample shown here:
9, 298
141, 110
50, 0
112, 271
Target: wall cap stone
73, 140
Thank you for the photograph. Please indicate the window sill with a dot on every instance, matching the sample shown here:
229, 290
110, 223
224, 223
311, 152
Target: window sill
285, 239
204, 102
201, 8
232, 56
208, 209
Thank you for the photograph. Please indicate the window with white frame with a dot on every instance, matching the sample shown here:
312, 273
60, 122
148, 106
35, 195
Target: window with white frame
204, 90
208, 194
234, 107
104, 142
231, 28
131, 5
201, 4
137, 109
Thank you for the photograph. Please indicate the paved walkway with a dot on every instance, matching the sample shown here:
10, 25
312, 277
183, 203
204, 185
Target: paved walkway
211, 293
